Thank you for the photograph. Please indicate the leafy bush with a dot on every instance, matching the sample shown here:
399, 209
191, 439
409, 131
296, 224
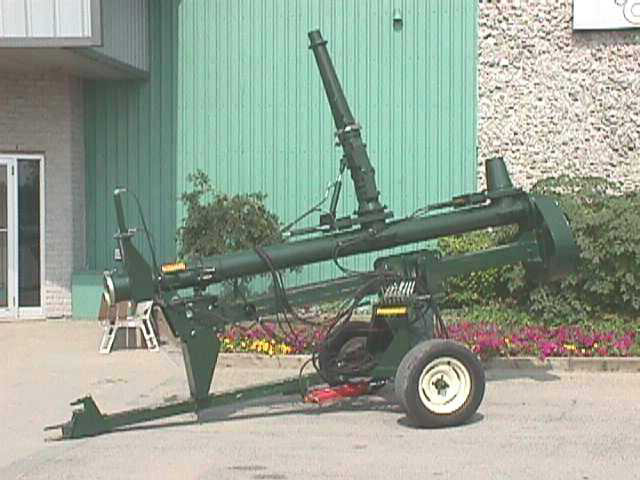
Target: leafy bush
606, 225
483, 287
606, 286
217, 223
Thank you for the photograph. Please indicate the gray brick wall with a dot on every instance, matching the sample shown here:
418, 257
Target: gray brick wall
43, 113
552, 101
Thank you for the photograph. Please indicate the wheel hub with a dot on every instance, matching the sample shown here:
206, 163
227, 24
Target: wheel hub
445, 385
441, 385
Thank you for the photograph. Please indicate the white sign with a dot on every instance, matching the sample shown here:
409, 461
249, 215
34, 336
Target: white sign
606, 14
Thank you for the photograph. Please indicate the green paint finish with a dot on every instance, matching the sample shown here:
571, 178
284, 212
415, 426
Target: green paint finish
253, 114
130, 141
88, 421
87, 288
234, 90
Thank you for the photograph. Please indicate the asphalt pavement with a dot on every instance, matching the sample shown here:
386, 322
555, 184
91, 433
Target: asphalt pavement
533, 423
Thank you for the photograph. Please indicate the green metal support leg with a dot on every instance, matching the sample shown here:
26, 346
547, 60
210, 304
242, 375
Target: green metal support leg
200, 352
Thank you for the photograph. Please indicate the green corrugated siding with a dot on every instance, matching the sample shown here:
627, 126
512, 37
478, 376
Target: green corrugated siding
234, 90
253, 114
130, 134
125, 33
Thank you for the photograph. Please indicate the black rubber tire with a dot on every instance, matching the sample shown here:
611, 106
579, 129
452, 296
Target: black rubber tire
352, 334
407, 383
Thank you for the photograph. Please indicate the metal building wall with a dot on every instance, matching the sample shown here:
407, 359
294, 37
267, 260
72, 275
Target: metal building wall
130, 141
253, 114
125, 32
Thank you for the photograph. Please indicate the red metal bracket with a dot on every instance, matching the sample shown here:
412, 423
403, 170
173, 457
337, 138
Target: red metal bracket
323, 396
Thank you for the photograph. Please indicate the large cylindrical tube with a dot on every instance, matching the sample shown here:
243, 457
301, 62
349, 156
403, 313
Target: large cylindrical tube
342, 115
402, 232
355, 153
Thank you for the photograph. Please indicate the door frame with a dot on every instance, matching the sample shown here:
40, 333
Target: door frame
14, 311
11, 310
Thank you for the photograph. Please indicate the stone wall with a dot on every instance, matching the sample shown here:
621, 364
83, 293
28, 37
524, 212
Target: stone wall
554, 101
43, 113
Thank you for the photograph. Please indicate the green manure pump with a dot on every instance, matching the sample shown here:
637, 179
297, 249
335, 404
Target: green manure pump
437, 382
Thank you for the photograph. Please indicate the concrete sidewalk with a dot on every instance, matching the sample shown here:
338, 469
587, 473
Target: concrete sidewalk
46, 364
542, 420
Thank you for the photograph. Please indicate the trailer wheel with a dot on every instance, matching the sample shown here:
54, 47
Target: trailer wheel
439, 383
346, 355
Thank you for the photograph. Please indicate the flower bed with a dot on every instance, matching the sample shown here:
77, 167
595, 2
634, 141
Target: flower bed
270, 340
488, 340
485, 339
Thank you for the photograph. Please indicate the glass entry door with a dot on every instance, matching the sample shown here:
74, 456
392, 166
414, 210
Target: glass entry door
8, 307
21, 235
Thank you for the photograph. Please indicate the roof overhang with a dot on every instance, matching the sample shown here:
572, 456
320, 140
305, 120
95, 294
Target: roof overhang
78, 62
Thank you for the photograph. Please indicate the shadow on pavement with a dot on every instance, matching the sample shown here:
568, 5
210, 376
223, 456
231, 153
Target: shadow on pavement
286, 406
276, 406
279, 406
404, 422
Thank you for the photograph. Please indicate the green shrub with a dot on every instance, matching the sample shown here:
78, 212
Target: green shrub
606, 224
481, 288
217, 223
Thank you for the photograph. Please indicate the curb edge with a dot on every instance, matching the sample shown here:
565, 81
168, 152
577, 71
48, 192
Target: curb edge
562, 364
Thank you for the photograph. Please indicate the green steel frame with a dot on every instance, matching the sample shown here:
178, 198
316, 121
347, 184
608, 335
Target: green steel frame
544, 244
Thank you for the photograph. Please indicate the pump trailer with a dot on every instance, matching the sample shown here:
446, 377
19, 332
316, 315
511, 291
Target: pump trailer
437, 382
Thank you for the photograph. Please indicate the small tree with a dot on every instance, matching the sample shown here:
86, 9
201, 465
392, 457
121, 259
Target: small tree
217, 223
